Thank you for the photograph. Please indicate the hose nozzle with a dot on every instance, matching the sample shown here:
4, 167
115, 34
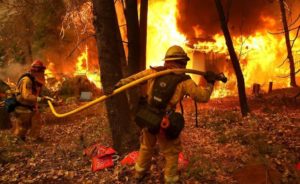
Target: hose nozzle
221, 77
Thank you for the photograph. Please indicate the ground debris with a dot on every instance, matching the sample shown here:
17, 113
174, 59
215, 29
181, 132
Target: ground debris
223, 145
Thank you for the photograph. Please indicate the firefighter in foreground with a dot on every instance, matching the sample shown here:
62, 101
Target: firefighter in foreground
157, 117
26, 114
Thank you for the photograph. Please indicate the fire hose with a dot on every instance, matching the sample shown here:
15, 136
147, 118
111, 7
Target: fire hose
219, 77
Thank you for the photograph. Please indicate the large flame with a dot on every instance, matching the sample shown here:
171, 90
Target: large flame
260, 54
162, 30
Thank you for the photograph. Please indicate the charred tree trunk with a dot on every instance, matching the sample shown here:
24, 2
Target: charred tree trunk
288, 44
143, 33
235, 62
132, 23
107, 34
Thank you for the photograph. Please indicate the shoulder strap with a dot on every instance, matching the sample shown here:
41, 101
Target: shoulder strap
164, 88
27, 74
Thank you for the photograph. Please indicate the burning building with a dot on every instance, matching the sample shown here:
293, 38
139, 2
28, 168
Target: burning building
195, 26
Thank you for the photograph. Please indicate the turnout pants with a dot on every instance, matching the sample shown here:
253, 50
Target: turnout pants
24, 120
169, 148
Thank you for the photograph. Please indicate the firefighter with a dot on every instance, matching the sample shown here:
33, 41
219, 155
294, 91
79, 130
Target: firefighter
26, 114
175, 58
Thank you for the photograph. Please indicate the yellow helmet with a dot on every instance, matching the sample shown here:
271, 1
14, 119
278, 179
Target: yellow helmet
176, 53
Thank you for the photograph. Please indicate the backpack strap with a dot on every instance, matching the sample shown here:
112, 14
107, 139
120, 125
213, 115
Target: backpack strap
164, 88
181, 107
27, 74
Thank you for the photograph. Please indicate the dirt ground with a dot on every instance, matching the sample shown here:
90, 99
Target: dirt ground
263, 147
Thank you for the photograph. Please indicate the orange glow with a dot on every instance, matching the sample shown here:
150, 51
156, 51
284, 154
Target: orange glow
162, 30
82, 68
269, 22
260, 54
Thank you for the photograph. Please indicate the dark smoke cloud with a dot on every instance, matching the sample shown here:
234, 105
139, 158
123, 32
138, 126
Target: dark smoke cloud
245, 16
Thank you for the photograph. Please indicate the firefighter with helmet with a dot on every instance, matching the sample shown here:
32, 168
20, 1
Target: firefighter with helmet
169, 145
26, 114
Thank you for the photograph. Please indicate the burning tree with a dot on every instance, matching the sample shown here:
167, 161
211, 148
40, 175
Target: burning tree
234, 59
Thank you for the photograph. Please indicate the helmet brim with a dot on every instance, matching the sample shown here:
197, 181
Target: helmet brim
176, 58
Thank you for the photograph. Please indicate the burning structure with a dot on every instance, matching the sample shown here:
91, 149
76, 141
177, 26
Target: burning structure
193, 25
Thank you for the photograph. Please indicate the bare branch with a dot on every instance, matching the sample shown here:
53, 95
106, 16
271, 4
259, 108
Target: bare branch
283, 62
296, 36
286, 76
295, 21
80, 42
282, 32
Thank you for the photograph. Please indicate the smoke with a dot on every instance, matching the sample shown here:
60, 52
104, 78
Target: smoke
13, 71
199, 18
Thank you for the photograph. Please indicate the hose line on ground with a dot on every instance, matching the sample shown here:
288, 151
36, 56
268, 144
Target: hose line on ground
123, 88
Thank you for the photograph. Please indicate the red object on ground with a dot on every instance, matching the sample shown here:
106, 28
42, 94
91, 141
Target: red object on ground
298, 166
130, 159
98, 151
101, 156
102, 163
182, 162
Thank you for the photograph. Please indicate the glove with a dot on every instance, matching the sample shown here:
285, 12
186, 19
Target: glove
46, 98
109, 90
118, 85
210, 77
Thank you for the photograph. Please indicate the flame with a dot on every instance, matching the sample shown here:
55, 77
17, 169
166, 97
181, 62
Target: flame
82, 68
260, 54
53, 82
162, 30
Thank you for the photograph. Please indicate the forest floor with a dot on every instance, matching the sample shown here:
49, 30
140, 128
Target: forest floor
263, 147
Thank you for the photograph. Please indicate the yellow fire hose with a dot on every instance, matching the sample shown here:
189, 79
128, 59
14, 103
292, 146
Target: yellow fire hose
127, 86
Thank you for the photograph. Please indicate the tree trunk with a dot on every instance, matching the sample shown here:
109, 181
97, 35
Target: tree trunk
143, 33
235, 62
108, 44
29, 51
132, 24
288, 44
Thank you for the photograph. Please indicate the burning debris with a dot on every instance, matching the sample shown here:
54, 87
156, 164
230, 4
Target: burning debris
73, 86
